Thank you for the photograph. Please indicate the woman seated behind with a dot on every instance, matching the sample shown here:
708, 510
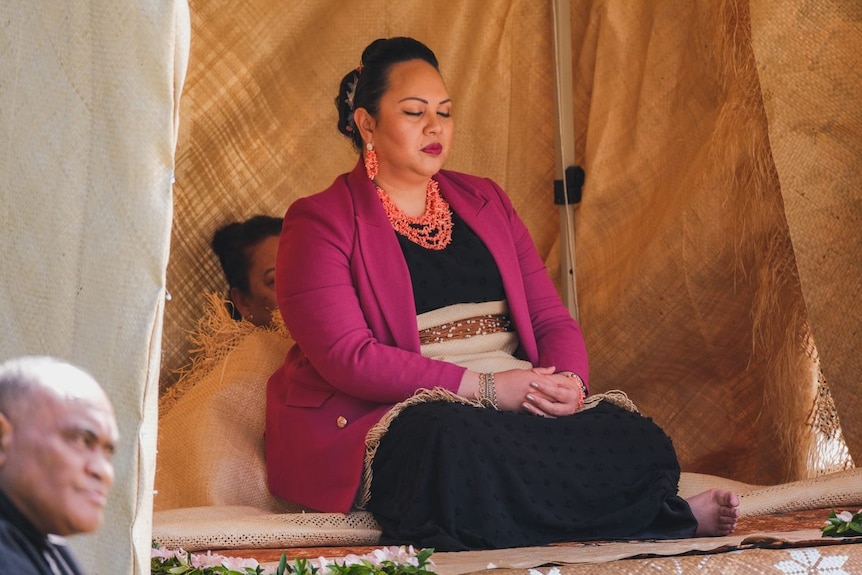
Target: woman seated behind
246, 251
434, 359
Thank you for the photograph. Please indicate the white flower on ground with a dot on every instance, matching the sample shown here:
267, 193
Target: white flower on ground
163, 554
237, 563
353, 559
398, 555
845, 516
323, 564
208, 560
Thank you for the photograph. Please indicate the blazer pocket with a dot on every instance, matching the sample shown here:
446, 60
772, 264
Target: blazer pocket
301, 396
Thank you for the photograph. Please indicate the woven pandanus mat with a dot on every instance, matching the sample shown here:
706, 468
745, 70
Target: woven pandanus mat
839, 489
241, 527
797, 552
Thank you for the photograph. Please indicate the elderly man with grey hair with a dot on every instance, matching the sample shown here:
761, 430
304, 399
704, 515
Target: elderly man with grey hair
57, 438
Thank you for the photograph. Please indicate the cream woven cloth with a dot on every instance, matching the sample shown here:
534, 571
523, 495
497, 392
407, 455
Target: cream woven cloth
238, 527
211, 423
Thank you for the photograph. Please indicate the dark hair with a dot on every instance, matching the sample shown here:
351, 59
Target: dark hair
231, 244
364, 86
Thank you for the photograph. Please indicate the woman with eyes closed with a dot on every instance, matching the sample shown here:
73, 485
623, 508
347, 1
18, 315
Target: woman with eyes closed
246, 251
438, 380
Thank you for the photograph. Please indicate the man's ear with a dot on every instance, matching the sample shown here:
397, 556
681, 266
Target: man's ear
365, 123
5, 436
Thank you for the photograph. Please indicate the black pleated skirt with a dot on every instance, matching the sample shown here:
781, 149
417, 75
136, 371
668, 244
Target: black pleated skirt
455, 477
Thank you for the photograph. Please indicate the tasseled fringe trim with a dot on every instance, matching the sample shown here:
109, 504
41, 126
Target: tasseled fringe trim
216, 334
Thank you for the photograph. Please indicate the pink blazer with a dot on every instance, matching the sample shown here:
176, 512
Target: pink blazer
344, 291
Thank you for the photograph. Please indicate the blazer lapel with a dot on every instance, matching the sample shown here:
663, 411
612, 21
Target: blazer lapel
384, 267
476, 211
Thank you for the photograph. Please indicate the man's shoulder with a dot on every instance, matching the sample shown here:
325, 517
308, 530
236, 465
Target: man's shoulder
17, 553
22, 556
9, 531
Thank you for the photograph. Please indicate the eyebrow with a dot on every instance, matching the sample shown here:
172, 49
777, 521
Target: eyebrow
424, 101
109, 443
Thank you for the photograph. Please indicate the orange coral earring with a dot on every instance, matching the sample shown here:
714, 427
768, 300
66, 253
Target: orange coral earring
370, 161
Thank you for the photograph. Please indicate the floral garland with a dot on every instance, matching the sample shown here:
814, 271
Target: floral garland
844, 524
383, 561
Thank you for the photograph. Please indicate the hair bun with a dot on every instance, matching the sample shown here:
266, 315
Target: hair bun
363, 87
344, 102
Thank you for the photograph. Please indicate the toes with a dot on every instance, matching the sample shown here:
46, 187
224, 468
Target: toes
716, 510
728, 498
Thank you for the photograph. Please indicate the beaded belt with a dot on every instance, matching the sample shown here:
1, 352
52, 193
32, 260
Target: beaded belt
465, 328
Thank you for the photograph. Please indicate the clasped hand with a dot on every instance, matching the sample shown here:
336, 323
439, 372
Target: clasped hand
539, 391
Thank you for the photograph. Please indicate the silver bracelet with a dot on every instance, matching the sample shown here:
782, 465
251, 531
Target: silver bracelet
486, 394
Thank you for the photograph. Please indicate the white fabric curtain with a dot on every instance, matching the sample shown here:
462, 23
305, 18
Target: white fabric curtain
88, 123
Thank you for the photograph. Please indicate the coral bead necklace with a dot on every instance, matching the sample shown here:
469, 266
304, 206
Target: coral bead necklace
433, 229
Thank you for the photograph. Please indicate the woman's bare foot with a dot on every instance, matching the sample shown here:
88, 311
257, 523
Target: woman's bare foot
716, 511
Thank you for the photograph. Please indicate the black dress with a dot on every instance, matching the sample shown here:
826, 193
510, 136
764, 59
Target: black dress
456, 477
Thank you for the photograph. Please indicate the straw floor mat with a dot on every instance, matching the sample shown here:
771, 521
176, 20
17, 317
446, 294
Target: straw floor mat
778, 532
777, 543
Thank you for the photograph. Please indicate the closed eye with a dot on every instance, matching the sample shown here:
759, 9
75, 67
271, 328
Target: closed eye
88, 440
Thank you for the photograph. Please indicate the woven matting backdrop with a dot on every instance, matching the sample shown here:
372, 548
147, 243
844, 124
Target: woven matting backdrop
690, 290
